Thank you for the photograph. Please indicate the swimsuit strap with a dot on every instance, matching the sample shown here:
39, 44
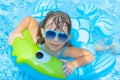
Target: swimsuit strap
40, 46
62, 52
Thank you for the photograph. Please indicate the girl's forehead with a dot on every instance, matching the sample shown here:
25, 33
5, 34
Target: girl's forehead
54, 27
50, 25
48, 22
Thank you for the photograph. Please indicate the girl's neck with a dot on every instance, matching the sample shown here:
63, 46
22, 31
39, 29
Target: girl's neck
47, 49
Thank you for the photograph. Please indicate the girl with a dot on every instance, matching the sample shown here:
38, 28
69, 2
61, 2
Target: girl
53, 33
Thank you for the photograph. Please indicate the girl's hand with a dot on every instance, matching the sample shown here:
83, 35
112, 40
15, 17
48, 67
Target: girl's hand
13, 35
68, 67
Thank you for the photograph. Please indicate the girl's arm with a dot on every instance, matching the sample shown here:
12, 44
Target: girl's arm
24, 24
82, 57
27, 23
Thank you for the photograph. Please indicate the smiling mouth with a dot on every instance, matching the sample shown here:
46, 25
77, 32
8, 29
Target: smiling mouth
54, 45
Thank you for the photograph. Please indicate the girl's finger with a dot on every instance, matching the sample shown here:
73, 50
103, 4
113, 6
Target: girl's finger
68, 72
20, 35
9, 41
64, 66
64, 60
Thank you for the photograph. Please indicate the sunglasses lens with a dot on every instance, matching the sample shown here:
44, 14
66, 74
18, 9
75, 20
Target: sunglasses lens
62, 37
50, 35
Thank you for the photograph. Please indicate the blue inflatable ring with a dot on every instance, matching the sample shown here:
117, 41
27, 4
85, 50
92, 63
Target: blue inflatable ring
101, 66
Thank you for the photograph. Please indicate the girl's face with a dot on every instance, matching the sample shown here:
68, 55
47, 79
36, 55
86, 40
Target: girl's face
55, 44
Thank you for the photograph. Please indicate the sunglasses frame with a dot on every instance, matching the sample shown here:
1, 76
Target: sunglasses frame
56, 35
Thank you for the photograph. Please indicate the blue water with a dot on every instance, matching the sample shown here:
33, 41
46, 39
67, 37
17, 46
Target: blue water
91, 12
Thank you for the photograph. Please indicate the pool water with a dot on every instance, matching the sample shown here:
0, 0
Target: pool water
12, 11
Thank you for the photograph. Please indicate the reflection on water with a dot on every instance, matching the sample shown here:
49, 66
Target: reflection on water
12, 11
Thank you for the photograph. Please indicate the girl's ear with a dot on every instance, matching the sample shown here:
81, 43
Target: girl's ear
42, 31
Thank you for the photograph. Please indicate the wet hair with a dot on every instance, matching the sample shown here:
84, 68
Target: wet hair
60, 19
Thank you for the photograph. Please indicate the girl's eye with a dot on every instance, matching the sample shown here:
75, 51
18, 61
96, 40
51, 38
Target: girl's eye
42, 56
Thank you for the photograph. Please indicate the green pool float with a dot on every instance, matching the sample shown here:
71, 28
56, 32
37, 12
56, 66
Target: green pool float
29, 53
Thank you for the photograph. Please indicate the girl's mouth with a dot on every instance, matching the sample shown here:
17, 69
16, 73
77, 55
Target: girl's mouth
54, 45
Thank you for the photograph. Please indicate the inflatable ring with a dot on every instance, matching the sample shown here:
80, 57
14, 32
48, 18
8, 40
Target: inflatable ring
42, 66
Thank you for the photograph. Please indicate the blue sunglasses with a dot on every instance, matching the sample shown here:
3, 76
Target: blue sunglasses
62, 37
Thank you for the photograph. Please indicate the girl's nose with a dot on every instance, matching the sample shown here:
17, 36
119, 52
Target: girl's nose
56, 39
